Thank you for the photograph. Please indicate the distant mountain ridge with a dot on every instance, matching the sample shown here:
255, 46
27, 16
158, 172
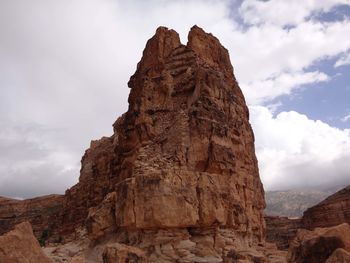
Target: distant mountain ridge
292, 203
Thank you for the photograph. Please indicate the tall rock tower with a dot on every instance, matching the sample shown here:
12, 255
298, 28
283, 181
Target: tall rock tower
178, 181
185, 177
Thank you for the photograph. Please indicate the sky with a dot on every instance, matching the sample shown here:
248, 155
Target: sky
64, 68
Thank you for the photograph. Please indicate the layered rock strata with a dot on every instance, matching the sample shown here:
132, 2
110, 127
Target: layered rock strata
185, 166
42, 212
178, 179
334, 210
281, 230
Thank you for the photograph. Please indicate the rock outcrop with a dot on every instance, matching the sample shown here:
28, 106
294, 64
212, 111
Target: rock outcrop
281, 230
318, 245
178, 181
41, 212
333, 211
339, 256
186, 170
21, 246
119, 253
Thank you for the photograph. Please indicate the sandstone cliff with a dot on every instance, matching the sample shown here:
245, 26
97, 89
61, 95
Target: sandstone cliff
178, 181
185, 169
333, 211
41, 212
281, 230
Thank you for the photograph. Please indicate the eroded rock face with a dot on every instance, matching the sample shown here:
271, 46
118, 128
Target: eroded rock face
179, 177
21, 246
318, 245
185, 164
333, 211
281, 230
339, 256
119, 253
42, 212
186, 143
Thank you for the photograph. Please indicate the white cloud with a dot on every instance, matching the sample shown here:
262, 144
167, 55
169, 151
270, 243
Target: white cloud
285, 83
345, 118
262, 53
64, 66
281, 12
294, 151
342, 61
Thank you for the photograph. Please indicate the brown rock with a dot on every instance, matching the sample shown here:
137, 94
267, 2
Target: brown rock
119, 253
101, 219
41, 212
316, 246
186, 142
281, 230
20, 246
339, 256
333, 211
96, 180
181, 163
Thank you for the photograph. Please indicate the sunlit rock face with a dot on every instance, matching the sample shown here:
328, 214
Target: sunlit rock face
332, 211
184, 172
179, 178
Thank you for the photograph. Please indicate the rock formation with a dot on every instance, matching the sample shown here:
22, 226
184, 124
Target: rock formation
41, 212
178, 180
20, 246
318, 245
339, 256
333, 211
185, 174
281, 230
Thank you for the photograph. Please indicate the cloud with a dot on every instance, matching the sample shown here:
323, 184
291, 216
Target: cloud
296, 152
342, 61
266, 90
284, 13
31, 162
64, 68
345, 118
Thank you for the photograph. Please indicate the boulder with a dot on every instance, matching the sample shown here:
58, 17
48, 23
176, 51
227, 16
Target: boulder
21, 246
339, 256
318, 245
119, 253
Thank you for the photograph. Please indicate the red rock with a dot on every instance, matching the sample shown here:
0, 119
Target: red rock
21, 246
185, 154
281, 230
339, 256
318, 245
119, 253
334, 210
41, 212
179, 176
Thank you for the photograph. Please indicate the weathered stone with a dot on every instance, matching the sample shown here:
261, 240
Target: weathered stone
334, 210
339, 256
101, 219
21, 246
41, 212
317, 245
281, 230
179, 176
119, 253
